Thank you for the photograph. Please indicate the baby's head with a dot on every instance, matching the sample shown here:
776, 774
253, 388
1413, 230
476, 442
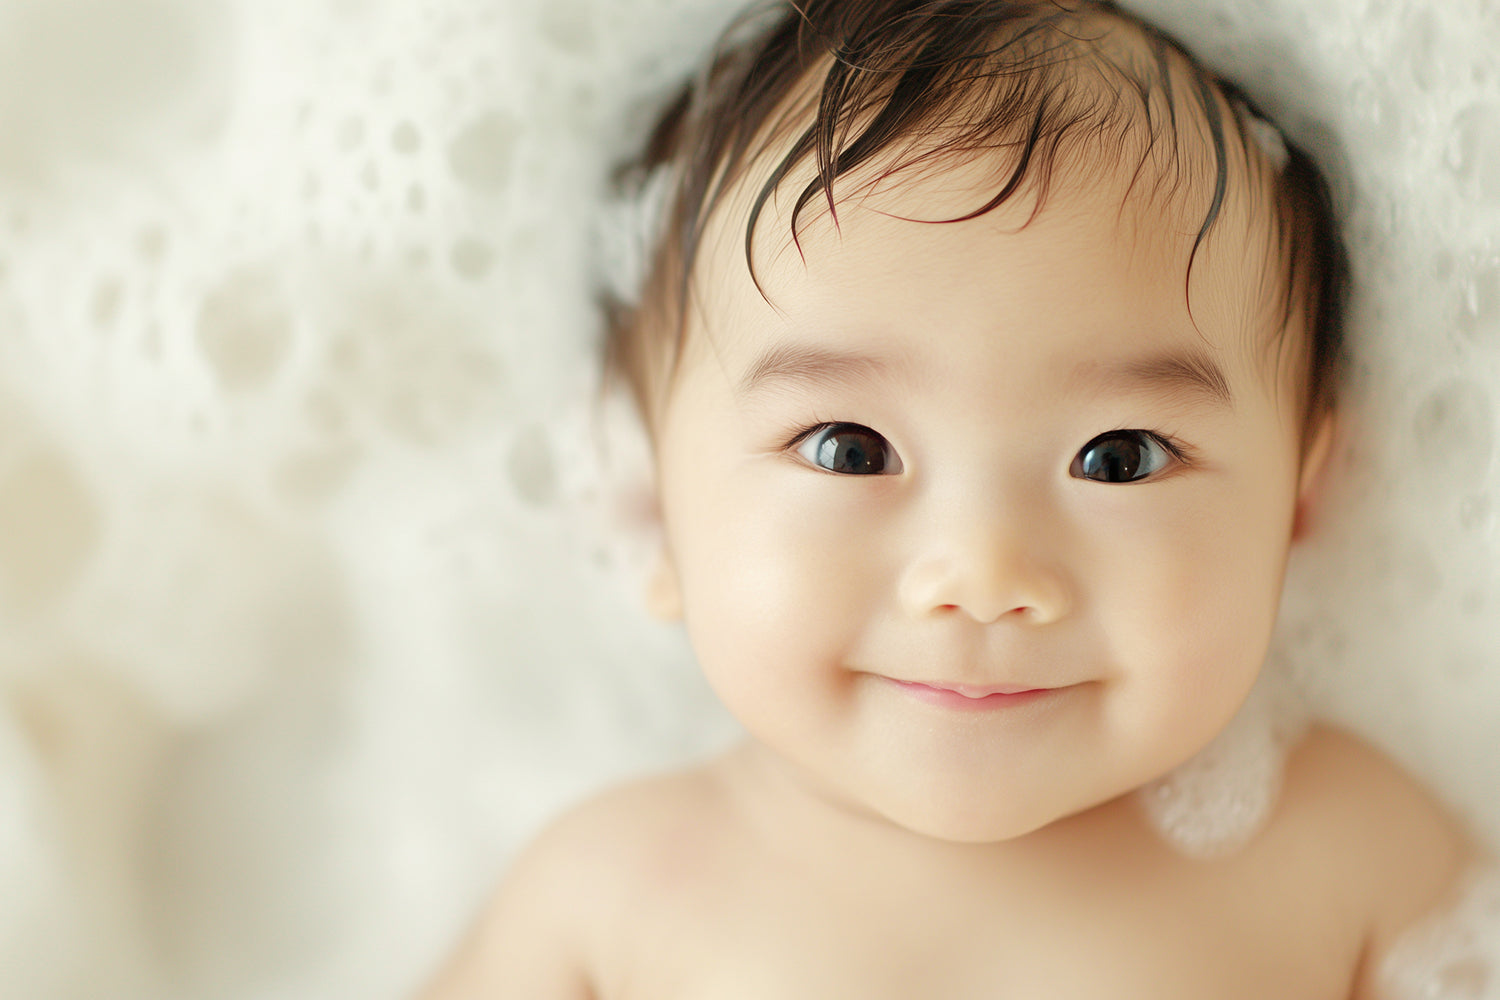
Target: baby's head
987, 355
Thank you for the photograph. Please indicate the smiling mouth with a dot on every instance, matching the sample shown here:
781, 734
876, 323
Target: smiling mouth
970, 697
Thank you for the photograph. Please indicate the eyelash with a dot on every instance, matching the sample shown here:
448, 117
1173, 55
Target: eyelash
1177, 449
803, 432
795, 434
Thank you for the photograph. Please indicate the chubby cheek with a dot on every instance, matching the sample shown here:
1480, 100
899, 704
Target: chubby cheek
1190, 628
775, 572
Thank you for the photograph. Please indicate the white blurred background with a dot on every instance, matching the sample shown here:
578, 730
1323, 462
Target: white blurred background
317, 593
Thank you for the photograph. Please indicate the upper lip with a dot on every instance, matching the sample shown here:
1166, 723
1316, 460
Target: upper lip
975, 690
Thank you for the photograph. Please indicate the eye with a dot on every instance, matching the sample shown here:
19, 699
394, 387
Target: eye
1122, 457
849, 449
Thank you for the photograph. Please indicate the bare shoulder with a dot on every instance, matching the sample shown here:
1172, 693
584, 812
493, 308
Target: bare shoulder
1390, 848
566, 902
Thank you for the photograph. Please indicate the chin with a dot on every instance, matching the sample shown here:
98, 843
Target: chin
960, 823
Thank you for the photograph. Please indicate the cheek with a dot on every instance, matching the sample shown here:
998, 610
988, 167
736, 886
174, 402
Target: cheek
1193, 616
775, 575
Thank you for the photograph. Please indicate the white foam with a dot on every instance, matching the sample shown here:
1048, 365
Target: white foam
1214, 804
1451, 955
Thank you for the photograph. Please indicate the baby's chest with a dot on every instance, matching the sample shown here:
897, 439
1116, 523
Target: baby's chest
878, 946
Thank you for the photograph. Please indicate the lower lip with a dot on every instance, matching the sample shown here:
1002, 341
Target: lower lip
944, 698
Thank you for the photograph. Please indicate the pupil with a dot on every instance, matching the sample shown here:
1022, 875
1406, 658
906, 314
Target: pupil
846, 453
1118, 461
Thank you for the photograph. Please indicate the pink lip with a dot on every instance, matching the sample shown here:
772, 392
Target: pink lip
971, 698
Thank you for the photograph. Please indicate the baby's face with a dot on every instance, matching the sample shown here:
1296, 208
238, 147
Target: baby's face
972, 527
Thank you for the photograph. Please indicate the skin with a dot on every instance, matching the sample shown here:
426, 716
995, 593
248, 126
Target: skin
990, 353
880, 833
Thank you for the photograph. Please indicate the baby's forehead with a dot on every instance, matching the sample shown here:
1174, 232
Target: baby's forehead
1155, 202
1147, 196
1084, 98
904, 227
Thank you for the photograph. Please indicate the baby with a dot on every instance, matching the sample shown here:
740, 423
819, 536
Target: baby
988, 360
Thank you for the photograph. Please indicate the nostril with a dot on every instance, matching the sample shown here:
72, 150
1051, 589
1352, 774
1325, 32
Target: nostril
982, 585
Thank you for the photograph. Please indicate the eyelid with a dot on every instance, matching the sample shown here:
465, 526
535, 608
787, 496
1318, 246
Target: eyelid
1179, 450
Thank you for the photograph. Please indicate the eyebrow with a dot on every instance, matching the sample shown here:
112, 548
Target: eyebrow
1187, 373
808, 366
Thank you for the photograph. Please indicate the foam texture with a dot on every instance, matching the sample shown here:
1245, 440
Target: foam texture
317, 594
1451, 954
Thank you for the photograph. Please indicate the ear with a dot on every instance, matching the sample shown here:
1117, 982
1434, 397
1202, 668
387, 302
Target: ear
1316, 453
663, 588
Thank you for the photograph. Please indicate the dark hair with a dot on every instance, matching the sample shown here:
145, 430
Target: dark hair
992, 75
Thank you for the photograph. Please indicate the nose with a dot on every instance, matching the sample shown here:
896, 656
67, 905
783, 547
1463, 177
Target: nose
989, 561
